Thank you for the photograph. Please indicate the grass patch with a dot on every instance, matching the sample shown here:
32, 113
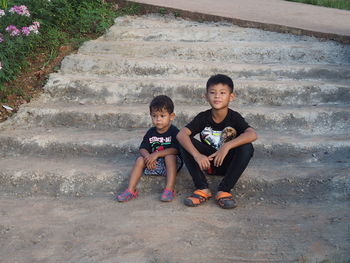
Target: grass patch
340, 4
27, 59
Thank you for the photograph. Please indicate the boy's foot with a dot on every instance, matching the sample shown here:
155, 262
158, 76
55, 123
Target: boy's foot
198, 197
127, 195
167, 195
225, 200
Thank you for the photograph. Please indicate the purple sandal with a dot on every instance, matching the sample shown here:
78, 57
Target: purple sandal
127, 195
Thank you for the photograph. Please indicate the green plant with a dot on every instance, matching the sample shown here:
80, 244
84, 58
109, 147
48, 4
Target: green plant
3, 4
62, 22
162, 11
130, 9
340, 4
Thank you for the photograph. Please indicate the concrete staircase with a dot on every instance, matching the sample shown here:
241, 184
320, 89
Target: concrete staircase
81, 136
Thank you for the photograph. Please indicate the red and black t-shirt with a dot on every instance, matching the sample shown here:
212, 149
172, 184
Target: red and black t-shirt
154, 141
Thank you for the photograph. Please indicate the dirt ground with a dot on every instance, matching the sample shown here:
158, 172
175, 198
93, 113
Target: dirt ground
48, 229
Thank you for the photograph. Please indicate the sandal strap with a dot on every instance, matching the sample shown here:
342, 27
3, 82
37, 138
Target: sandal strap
202, 194
224, 196
199, 197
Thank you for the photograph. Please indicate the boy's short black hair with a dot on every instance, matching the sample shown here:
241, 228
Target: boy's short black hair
220, 79
161, 102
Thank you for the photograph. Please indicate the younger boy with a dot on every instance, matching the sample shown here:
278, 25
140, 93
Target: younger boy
158, 150
225, 146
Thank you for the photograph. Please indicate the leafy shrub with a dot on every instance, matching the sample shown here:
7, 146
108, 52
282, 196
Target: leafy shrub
61, 22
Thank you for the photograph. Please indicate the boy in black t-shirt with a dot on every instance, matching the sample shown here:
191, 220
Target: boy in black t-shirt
159, 151
225, 147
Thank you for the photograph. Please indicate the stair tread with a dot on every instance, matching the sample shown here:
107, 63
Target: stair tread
133, 137
115, 58
143, 109
67, 77
270, 44
108, 168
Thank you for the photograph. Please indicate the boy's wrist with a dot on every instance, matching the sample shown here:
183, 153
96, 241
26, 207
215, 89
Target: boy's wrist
226, 146
197, 156
156, 154
145, 155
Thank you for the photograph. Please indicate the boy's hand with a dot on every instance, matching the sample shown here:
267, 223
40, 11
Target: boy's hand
151, 161
151, 166
203, 161
220, 155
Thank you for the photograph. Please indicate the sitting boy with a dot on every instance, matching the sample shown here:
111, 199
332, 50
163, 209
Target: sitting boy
225, 147
158, 150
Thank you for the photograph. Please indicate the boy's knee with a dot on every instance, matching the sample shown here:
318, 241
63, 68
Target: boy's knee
170, 157
246, 150
140, 161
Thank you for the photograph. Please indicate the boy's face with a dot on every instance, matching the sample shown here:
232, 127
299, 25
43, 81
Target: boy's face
162, 119
219, 96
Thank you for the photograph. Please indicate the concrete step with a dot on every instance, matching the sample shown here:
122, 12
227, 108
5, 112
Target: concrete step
123, 142
238, 51
170, 29
115, 65
303, 119
98, 89
87, 176
82, 136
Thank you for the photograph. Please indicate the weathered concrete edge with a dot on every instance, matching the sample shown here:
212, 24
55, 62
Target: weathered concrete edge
196, 16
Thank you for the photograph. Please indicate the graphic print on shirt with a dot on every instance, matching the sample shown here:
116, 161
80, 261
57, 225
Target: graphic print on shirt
159, 143
217, 138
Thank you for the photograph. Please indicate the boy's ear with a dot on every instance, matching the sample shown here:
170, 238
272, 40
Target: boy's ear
172, 116
232, 96
206, 96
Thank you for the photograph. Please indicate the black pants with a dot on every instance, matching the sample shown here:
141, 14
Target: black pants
232, 168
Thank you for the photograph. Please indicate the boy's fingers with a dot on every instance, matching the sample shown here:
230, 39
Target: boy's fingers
203, 167
218, 161
206, 165
210, 157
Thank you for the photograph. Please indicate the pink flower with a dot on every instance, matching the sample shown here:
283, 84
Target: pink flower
25, 31
35, 27
37, 24
13, 30
15, 33
10, 28
2, 12
21, 10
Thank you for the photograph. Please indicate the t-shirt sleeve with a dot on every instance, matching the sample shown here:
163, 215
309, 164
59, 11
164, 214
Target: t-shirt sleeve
197, 124
241, 124
145, 142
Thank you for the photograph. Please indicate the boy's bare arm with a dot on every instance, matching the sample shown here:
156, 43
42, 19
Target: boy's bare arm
169, 151
248, 136
184, 139
151, 159
144, 153
146, 156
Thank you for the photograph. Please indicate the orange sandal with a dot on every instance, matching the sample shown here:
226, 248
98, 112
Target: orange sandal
225, 200
198, 197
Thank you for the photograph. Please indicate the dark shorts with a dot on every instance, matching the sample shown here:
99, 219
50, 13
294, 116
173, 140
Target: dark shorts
161, 169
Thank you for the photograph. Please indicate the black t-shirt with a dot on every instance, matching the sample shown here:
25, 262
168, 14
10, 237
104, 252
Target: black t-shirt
214, 134
154, 141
